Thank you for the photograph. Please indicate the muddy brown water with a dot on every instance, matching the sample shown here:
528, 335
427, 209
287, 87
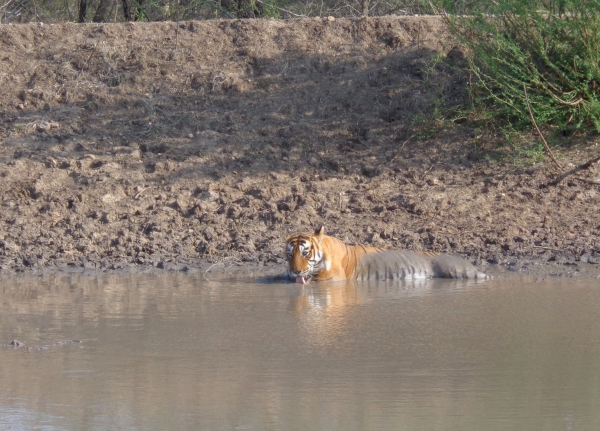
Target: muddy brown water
178, 351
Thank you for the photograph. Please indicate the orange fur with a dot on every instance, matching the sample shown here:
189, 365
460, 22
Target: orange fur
338, 262
320, 257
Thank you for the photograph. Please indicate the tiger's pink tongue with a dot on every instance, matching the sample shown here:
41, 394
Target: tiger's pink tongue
301, 280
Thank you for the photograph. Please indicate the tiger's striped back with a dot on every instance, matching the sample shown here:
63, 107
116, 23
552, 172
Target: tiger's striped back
406, 264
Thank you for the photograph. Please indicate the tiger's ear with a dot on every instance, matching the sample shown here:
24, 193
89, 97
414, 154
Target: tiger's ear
320, 233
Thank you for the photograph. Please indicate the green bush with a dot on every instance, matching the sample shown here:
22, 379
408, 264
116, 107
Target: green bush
551, 46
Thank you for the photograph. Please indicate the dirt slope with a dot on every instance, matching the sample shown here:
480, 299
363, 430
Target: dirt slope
171, 145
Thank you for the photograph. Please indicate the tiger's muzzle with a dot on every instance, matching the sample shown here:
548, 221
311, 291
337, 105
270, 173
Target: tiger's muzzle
302, 277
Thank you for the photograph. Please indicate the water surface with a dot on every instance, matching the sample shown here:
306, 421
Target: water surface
181, 352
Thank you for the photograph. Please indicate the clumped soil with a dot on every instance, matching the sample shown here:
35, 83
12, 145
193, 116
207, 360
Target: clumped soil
180, 145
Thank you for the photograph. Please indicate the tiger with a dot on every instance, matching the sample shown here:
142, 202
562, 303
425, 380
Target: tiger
319, 257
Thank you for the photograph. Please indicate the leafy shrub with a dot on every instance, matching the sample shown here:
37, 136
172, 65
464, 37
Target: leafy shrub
551, 46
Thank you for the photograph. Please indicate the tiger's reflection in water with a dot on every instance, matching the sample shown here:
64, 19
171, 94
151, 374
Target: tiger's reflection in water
324, 309
329, 311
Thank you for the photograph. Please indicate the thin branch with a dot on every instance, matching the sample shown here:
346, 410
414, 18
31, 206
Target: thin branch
177, 26
138, 194
283, 10
581, 167
6, 4
590, 163
548, 248
546, 146
585, 180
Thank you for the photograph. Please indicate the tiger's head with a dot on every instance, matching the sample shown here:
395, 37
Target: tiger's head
304, 255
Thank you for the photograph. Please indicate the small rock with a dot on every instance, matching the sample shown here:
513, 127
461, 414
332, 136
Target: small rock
107, 217
45, 126
29, 261
17, 221
370, 170
495, 260
209, 195
558, 258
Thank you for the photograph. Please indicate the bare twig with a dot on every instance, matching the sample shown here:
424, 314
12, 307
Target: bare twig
138, 194
225, 263
546, 146
585, 180
577, 169
590, 162
6, 4
282, 9
87, 63
549, 248
401, 146
405, 142
177, 27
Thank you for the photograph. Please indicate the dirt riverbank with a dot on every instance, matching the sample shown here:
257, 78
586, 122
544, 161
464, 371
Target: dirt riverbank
177, 146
